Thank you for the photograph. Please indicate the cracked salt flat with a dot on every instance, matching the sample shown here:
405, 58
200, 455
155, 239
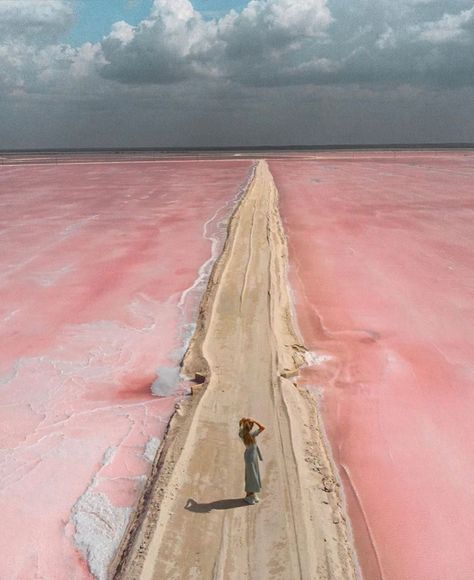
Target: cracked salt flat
78, 423
397, 396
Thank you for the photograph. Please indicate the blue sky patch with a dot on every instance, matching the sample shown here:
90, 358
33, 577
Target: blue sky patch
94, 18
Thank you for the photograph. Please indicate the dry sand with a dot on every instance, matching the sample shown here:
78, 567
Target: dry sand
192, 522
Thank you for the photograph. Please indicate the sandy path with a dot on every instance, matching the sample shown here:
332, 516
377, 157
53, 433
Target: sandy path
196, 524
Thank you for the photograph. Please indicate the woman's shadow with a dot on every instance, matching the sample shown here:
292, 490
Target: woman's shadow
221, 504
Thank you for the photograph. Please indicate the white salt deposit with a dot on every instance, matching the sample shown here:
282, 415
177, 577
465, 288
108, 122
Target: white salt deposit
151, 448
99, 529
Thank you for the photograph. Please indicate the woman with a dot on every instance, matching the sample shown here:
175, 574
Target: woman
252, 454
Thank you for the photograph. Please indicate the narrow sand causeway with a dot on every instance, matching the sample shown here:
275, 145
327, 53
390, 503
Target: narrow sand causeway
194, 523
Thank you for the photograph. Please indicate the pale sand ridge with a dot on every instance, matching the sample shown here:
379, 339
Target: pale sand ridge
193, 523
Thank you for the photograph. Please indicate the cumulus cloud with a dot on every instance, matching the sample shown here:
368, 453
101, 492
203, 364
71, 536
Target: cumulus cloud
279, 42
268, 43
266, 26
176, 58
54, 69
451, 27
41, 20
32, 60
264, 44
436, 52
176, 43
172, 45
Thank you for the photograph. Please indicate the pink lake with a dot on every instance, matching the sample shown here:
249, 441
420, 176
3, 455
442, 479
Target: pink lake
101, 270
382, 267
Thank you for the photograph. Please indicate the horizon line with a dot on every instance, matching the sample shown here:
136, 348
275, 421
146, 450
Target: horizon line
164, 149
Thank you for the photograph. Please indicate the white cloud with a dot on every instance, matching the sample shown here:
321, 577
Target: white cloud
170, 46
122, 31
282, 19
31, 59
180, 67
278, 42
44, 20
176, 43
171, 12
268, 43
449, 27
54, 69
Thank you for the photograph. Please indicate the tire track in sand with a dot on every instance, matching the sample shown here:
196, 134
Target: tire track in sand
192, 523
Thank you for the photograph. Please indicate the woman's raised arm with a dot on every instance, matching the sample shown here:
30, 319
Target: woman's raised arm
259, 425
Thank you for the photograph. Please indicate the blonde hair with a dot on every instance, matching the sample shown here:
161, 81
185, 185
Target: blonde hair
245, 428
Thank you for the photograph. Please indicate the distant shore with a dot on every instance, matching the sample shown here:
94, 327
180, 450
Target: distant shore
141, 155
245, 149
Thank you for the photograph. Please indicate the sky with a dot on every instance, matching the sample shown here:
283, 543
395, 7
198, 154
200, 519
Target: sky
176, 73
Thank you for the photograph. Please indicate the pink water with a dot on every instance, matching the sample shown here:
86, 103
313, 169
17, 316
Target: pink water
382, 257
99, 270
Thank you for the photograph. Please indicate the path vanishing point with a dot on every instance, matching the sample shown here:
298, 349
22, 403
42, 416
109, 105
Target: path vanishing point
191, 522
